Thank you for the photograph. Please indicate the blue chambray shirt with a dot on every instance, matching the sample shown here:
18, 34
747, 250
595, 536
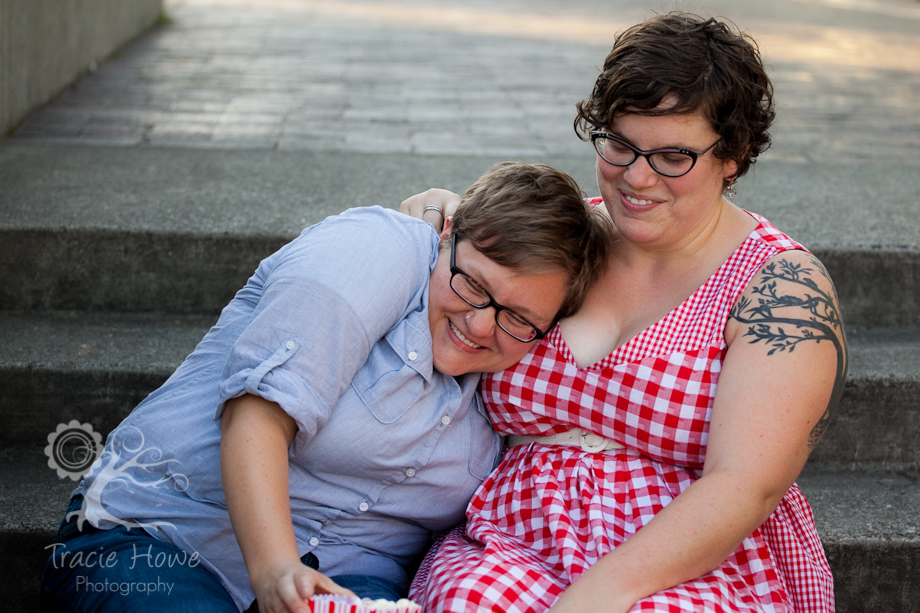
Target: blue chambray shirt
334, 328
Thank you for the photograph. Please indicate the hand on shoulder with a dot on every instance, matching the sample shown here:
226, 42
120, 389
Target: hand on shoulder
435, 206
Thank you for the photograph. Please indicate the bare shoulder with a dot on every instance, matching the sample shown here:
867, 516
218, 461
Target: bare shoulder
794, 288
791, 304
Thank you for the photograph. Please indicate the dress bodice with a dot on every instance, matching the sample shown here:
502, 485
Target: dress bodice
654, 393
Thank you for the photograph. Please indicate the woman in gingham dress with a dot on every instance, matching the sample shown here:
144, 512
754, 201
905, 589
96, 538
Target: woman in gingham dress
655, 436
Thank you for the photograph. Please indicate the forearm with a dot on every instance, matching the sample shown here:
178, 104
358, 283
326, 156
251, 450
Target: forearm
254, 468
687, 539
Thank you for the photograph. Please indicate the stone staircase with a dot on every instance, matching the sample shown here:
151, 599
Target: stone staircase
117, 260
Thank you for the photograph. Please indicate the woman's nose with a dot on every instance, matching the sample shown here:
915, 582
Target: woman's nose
640, 173
481, 322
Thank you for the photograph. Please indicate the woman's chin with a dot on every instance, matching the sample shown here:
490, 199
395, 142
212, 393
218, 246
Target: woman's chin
454, 362
450, 368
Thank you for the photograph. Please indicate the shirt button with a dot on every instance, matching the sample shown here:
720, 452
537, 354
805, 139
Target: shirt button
314, 542
328, 522
410, 472
445, 420
363, 507
413, 355
290, 345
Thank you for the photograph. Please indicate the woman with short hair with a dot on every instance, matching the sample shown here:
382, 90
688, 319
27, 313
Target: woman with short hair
328, 424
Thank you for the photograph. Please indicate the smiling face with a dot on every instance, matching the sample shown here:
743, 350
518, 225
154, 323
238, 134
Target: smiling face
466, 339
658, 212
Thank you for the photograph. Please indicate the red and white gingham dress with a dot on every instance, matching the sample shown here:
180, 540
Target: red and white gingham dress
547, 513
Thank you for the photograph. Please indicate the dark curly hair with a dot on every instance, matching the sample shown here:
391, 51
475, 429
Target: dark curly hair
702, 65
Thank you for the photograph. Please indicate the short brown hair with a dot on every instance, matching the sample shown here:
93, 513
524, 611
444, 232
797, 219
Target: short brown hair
533, 218
704, 65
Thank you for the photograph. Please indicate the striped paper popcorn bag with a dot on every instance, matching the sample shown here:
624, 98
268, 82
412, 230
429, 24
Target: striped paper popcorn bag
331, 603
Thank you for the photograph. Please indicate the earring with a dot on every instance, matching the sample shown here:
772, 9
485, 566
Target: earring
730, 191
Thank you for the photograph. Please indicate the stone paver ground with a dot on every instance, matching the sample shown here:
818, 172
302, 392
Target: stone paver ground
496, 77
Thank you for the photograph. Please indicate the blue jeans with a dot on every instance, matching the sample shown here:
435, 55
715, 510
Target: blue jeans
126, 569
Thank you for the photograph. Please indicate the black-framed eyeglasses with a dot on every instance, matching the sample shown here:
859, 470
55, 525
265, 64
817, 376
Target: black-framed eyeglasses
666, 162
474, 295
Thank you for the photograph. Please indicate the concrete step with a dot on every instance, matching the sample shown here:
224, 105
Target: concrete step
32, 503
126, 270
178, 230
95, 367
867, 522
877, 423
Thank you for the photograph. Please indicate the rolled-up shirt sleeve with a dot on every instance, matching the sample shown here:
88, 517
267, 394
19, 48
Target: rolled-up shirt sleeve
321, 303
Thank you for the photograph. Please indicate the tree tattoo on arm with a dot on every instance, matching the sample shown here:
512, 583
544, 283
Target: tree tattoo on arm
782, 322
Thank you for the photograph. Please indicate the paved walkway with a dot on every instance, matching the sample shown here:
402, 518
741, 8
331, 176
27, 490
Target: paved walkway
474, 77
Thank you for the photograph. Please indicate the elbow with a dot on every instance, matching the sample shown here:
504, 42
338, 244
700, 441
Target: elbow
755, 496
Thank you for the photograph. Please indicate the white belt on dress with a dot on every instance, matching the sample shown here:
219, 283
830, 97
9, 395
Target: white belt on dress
587, 440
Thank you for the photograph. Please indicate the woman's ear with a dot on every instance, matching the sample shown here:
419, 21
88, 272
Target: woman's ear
730, 172
730, 167
445, 233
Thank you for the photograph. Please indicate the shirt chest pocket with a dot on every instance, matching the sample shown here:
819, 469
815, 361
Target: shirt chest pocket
485, 444
387, 385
